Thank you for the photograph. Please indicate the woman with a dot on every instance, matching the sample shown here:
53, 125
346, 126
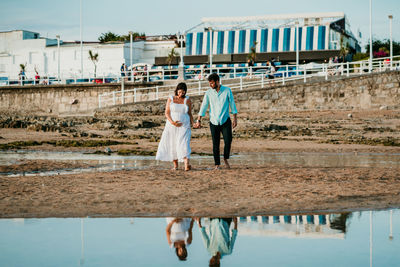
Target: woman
175, 140
179, 235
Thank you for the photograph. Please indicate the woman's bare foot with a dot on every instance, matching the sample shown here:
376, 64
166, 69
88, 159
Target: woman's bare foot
175, 165
227, 164
217, 167
188, 167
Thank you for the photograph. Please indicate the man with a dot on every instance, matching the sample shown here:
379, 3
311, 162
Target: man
219, 98
218, 239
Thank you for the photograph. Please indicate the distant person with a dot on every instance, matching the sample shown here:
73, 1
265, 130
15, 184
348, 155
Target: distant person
37, 78
218, 239
179, 235
175, 140
123, 70
271, 71
220, 99
250, 64
22, 77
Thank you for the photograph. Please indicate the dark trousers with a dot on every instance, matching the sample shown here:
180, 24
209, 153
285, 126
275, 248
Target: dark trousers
226, 130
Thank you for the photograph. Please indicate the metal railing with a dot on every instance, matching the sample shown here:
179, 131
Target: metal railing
259, 77
200, 73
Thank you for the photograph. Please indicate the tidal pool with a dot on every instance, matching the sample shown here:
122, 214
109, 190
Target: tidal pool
366, 238
116, 162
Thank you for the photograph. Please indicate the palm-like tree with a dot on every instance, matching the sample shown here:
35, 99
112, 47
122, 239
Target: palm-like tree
253, 53
94, 58
170, 58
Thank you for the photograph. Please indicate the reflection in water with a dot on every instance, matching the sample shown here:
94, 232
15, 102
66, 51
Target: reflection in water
280, 240
116, 162
217, 237
179, 235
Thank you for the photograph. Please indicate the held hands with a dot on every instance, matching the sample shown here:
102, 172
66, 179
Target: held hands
197, 125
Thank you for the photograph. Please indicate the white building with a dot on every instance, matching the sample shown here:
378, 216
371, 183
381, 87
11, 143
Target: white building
41, 54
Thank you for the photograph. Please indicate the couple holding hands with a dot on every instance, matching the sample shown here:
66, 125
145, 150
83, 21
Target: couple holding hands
175, 140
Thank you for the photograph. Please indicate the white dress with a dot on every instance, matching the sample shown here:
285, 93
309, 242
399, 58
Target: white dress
179, 230
175, 141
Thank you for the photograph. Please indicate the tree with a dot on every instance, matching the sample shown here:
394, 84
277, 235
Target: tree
113, 37
252, 55
94, 58
170, 58
384, 45
22, 67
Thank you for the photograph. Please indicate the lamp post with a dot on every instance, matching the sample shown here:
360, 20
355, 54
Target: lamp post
297, 47
210, 30
58, 57
130, 53
81, 40
370, 36
181, 39
391, 41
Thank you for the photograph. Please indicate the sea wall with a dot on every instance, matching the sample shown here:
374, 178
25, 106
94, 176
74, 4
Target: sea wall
368, 91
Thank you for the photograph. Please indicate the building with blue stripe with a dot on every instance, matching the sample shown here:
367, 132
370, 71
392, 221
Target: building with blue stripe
314, 34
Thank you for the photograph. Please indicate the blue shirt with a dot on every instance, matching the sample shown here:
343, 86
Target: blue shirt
219, 238
219, 104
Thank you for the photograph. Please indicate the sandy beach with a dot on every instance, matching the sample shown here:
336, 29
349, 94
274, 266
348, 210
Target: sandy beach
245, 189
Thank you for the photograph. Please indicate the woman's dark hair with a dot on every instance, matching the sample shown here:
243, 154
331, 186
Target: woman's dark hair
183, 255
181, 86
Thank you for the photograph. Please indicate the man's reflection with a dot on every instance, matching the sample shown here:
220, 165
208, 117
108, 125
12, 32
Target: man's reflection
179, 235
218, 240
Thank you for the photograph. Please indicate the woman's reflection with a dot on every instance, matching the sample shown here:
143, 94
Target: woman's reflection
218, 240
179, 235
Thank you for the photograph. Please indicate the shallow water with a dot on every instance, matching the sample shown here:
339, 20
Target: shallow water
116, 162
368, 238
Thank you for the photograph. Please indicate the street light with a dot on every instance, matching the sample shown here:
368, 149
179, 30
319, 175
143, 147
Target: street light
391, 41
297, 47
130, 53
58, 57
210, 30
370, 36
181, 39
81, 40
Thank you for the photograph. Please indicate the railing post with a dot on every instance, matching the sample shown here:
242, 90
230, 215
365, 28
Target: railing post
262, 80
348, 68
283, 78
104, 79
361, 67
241, 83
341, 68
305, 73
148, 75
134, 95
287, 71
234, 72
326, 71
380, 66
122, 91
163, 73
114, 98
157, 92
199, 87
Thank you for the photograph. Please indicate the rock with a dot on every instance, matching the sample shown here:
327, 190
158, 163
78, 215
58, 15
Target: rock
383, 108
350, 115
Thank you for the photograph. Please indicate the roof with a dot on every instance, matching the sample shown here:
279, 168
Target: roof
265, 21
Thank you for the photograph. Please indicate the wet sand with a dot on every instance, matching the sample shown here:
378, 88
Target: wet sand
246, 189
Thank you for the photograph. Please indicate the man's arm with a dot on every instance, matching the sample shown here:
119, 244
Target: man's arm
232, 105
203, 109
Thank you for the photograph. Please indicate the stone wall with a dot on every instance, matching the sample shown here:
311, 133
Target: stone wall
56, 99
369, 91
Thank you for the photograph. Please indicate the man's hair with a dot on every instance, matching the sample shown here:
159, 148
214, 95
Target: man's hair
213, 77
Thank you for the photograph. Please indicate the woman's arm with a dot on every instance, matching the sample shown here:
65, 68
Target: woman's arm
168, 114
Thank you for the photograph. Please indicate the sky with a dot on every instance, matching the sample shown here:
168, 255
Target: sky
154, 17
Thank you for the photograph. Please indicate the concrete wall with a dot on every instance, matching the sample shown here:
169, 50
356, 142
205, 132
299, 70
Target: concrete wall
56, 99
373, 91
362, 92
